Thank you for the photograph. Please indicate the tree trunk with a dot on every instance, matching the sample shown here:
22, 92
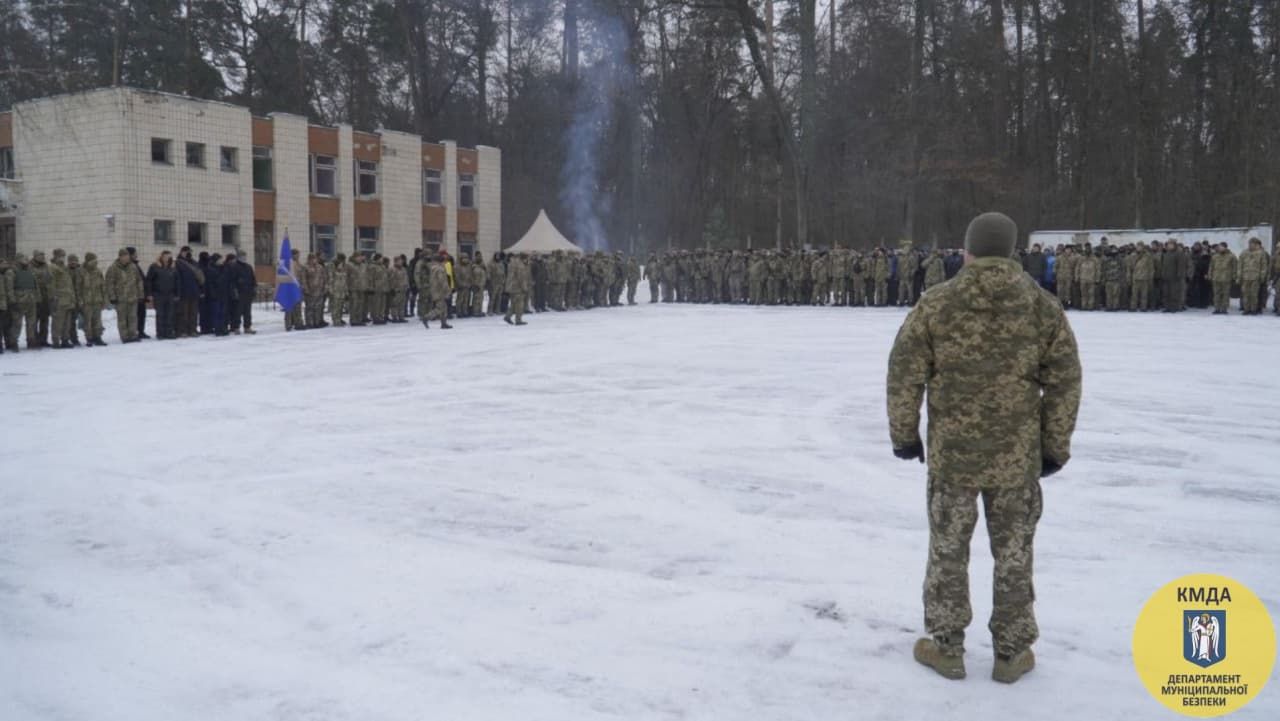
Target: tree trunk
808, 115
911, 207
1000, 80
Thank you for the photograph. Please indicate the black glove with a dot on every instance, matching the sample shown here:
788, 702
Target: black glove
1048, 467
906, 453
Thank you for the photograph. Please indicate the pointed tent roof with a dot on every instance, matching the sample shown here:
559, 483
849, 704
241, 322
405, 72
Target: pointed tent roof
542, 237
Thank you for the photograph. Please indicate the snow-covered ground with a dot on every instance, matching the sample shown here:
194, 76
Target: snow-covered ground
660, 512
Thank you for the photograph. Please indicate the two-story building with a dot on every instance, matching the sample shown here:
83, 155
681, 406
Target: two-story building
103, 169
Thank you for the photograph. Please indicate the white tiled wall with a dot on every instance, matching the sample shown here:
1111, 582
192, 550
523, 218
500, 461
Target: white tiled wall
346, 191
401, 191
489, 200
178, 192
450, 196
84, 156
69, 152
293, 200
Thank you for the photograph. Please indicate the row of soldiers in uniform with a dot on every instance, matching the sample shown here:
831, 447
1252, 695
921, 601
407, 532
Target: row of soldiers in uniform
1164, 276
384, 290
839, 277
51, 301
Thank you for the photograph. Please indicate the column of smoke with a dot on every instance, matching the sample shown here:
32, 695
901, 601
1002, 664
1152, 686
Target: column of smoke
604, 75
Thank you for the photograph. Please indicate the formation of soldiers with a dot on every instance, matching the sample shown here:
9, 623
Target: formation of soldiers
436, 287
1165, 275
838, 277
54, 301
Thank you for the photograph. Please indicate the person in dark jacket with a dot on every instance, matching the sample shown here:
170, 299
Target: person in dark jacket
1034, 263
190, 288
218, 291
411, 299
244, 285
162, 290
953, 263
205, 321
146, 293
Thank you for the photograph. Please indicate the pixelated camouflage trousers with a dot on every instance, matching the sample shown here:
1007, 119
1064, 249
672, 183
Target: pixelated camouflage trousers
1012, 514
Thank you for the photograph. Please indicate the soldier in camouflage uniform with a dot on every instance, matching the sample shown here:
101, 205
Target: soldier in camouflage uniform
356, 285
632, 270
880, 276
497, 283
398, 298
519, 281
379, 286
1144, 270
858, 279
93, 298
1222, 272
40, 269
997, 360
62, 299
337, 280
1066, 271
1254, 269
1088, 271
23, 296
934, 270
77, 313
1113, 277
557, 279
438, 292
317, 289
479, 281
124, 290
462, 281
653, 274
820, 271
908, 263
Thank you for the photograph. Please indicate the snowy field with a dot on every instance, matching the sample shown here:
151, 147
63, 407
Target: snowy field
661, 512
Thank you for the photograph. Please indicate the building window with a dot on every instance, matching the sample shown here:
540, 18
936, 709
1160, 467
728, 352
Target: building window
231, 236
228, 159
264, 243
366, 240
466, 245
8, 240
432, 240
432, 193
197, 234
164, 232
160, 151
366, 178
324, 240
324, 175
195, 155
262, 168
466, 190
6, 164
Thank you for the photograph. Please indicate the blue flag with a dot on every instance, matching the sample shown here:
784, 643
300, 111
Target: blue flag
288, 292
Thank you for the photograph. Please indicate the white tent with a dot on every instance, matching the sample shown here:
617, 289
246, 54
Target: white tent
542, 237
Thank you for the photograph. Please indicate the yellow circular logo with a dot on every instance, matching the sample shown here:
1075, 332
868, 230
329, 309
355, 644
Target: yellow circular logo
1204, 645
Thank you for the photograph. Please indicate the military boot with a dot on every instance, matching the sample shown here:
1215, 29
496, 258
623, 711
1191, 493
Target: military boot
948, 664
445, 325
1009, 669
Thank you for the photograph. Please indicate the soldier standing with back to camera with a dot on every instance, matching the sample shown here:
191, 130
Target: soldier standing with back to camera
1003, 351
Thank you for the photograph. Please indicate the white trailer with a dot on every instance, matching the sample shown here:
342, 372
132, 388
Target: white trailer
1237, 239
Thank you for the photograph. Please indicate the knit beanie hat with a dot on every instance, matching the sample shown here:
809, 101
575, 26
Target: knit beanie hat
991, 235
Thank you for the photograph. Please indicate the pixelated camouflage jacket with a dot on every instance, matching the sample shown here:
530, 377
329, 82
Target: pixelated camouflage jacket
1000, 364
